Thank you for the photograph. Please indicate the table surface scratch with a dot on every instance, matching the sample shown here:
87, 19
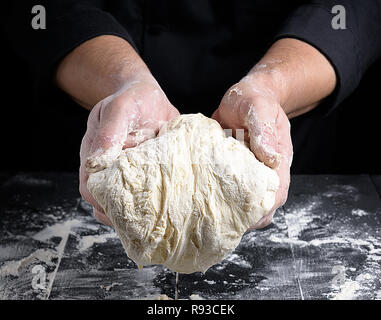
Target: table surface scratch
324, 243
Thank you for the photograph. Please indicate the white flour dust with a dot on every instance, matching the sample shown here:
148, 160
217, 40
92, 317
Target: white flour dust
15, 267
346, 291
359, 212
61, 229
88, 241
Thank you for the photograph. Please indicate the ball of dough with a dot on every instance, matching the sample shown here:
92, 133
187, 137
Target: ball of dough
185, 198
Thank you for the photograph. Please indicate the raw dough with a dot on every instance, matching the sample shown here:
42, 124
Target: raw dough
185, 198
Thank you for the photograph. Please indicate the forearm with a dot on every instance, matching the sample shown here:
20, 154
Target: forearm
297, 74
98, 68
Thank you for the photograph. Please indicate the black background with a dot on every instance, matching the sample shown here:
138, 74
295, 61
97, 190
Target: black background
45, 135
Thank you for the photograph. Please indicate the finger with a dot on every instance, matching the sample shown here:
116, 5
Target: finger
102, 218
245, 137
228, 113
117, 120
92, 127
216, 116
259, 118
283, 172
173, 113
264, 136
84, 153
264, 221
149, 128
138, 136
85, 193
285, 150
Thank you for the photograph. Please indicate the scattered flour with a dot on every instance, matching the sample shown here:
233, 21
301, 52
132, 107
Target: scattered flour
359, 212
14, 268
61, 229
109, 287
210, 281
88, 241
238, 260
300, 218
346, 291
165, 297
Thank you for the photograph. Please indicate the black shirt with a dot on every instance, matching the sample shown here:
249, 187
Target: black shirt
197, 49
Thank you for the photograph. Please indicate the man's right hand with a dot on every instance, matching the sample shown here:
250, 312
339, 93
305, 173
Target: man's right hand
122, 120
107, 76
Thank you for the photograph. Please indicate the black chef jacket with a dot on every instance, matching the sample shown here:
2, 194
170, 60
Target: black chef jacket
197, 49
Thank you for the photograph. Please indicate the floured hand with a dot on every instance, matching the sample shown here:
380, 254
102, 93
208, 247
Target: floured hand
122, 120
251, 105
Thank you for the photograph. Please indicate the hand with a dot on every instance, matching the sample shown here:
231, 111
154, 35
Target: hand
122, 120
253, 106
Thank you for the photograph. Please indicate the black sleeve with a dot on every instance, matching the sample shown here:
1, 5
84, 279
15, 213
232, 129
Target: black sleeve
352, 50
68, 24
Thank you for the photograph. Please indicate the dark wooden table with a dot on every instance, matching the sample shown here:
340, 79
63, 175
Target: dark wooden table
325, 243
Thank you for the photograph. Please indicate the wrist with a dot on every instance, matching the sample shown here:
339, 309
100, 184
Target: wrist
129, 79
297, 73
126, 72
267, 80
98, 68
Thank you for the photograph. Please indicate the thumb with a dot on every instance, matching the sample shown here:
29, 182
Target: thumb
115, 123
149, 128
101, 217
216, 116
264, 134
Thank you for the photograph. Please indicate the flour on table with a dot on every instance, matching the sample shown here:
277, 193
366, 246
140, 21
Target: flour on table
185, 198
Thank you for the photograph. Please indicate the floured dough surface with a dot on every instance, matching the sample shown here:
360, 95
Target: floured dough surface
185, 198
